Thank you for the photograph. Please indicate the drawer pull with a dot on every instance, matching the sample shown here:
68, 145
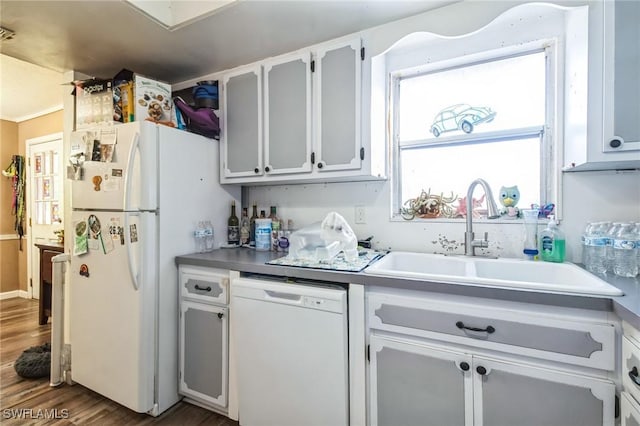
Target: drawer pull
197, 287
481, 370
464, 366
633, 374
489, 328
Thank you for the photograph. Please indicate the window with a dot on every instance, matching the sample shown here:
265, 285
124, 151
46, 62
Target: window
484, 98
482, 119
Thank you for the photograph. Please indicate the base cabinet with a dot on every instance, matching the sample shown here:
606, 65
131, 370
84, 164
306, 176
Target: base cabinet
204, 361
418, 384
204, 330
438, 359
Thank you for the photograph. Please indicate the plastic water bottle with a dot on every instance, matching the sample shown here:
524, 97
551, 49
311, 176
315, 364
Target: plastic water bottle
624, 247
594, 247
208, 239
611, 235
200, 235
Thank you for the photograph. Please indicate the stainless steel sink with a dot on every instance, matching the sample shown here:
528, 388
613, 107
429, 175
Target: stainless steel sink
503, 273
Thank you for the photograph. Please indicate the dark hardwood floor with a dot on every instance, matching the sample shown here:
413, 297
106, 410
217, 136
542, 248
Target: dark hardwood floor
37, 402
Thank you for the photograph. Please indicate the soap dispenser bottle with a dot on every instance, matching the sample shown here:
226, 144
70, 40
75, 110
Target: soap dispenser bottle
552, 242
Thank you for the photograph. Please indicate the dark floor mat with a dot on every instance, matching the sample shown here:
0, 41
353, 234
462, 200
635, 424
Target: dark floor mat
34, 362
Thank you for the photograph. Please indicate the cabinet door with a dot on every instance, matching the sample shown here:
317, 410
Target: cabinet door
287, 91
204, 353
507, 394
629, 410
242, 128
621, 69
412, 384
337, 92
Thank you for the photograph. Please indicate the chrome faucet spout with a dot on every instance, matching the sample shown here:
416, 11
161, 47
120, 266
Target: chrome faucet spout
470, 243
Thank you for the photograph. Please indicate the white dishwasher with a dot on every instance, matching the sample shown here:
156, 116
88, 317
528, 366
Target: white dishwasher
292, 353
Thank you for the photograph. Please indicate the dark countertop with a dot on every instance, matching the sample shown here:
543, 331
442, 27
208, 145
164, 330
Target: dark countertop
55, 246
245, 260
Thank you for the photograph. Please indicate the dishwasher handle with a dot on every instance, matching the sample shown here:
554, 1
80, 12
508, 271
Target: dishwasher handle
283, 297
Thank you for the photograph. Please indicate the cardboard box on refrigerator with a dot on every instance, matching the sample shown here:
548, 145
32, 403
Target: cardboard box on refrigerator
142, 98
94, 103
153, 100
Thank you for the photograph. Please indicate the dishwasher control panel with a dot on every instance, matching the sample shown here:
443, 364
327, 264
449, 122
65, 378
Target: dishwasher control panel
323, 304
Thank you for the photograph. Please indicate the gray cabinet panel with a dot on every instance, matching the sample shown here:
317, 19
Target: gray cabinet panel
203, 352
414, 389
512, 399
288, 115
242, 123
203, 342
203, 287
550, 339
418, 385
338, 103
626, 107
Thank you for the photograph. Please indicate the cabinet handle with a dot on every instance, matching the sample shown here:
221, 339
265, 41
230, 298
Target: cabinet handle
197, 287
256, 170
320, 165
220, 315
267, 169
489, 328
615, 143
481, 370
464, 366
633, 374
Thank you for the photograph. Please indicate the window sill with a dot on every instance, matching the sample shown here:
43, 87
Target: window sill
501, 221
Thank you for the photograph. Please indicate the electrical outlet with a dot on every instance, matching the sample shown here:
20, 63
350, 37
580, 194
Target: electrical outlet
361, 216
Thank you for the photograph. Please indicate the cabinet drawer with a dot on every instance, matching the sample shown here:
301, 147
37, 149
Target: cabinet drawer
629, 411
204, 284
556, 337
631, 366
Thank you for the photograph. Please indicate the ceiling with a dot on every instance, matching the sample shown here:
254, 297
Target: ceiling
99, 38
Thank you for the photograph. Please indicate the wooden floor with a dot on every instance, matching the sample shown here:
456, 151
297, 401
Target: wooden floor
34, 399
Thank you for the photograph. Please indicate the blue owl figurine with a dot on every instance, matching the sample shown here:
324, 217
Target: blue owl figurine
509, 197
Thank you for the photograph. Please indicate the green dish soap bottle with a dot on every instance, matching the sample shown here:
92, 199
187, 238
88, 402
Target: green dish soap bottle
552, 242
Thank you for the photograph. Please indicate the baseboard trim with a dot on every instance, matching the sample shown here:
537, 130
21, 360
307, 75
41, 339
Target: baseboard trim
15, 293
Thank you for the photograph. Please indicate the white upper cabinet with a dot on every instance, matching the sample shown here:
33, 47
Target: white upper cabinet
298, 118
287, 113
338, 102
602, 125
242, 128
621, 70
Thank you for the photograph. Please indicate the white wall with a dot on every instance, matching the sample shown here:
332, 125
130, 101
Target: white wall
588, 196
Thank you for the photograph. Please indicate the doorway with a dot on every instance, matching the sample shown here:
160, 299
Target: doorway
45, 200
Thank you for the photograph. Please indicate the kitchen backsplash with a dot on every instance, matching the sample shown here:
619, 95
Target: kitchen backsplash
588, 196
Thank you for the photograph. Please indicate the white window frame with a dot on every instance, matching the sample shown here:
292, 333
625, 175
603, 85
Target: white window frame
551, 143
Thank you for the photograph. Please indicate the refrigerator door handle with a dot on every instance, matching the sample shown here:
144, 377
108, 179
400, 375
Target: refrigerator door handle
133, 270
127, 185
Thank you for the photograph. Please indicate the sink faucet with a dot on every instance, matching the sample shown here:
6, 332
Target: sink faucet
470, 243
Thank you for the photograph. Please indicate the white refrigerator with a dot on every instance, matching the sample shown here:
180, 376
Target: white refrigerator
136, 202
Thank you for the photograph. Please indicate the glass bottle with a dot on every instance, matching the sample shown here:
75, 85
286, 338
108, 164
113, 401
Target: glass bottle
233, 226
245, 227
275, 228
252, 225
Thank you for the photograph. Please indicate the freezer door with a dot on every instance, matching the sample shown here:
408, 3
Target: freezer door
111, 173
112, 313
